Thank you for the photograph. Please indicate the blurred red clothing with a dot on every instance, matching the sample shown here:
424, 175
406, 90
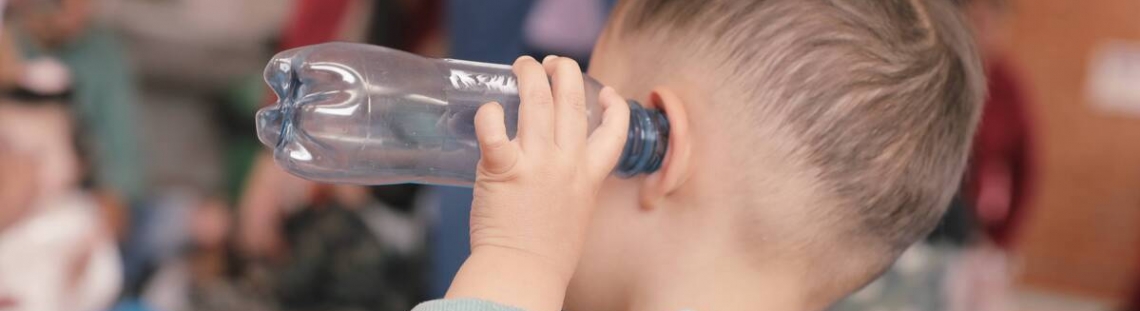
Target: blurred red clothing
314, 21
1002, 171
319, 21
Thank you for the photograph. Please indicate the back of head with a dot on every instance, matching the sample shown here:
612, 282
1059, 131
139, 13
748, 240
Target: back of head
876, 102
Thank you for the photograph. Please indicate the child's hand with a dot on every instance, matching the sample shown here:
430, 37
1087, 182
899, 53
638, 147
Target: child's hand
534, 195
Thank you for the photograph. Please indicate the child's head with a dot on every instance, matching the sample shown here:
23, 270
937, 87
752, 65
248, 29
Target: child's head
812, 138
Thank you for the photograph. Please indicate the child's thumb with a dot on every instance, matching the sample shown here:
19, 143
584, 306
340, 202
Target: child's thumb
499, 153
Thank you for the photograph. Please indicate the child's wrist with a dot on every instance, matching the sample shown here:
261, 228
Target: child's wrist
512, 277
553, 270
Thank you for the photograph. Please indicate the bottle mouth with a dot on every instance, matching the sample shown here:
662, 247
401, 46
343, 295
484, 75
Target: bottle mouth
647, 142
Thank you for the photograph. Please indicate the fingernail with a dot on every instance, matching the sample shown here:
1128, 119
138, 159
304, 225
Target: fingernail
549, 58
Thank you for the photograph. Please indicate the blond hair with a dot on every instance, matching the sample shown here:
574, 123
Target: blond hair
880, 96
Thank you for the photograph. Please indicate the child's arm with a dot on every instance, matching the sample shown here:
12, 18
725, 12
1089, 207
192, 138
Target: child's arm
534, 195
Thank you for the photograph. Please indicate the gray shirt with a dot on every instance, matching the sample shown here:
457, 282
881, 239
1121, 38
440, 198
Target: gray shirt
462, 305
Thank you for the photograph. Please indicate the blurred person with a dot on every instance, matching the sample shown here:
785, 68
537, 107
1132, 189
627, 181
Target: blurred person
194, 60
810, 143
58, 252
55, 51
64, 32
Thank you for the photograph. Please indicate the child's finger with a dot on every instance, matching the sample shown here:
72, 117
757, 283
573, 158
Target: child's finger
536, 112
608, 140
569, 102
499, 153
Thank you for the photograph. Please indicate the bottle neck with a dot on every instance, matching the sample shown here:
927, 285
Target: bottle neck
647, 143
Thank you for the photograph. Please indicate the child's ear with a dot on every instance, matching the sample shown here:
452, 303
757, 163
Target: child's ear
674, 170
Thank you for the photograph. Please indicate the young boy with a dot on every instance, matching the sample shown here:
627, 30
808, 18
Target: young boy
811, 142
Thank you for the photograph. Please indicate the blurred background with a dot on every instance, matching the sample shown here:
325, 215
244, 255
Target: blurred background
131, 177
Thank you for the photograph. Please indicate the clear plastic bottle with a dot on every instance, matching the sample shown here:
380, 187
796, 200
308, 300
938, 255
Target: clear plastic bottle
362, 114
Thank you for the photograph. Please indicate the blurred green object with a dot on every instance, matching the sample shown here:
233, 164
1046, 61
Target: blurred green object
240, 142
105, 105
